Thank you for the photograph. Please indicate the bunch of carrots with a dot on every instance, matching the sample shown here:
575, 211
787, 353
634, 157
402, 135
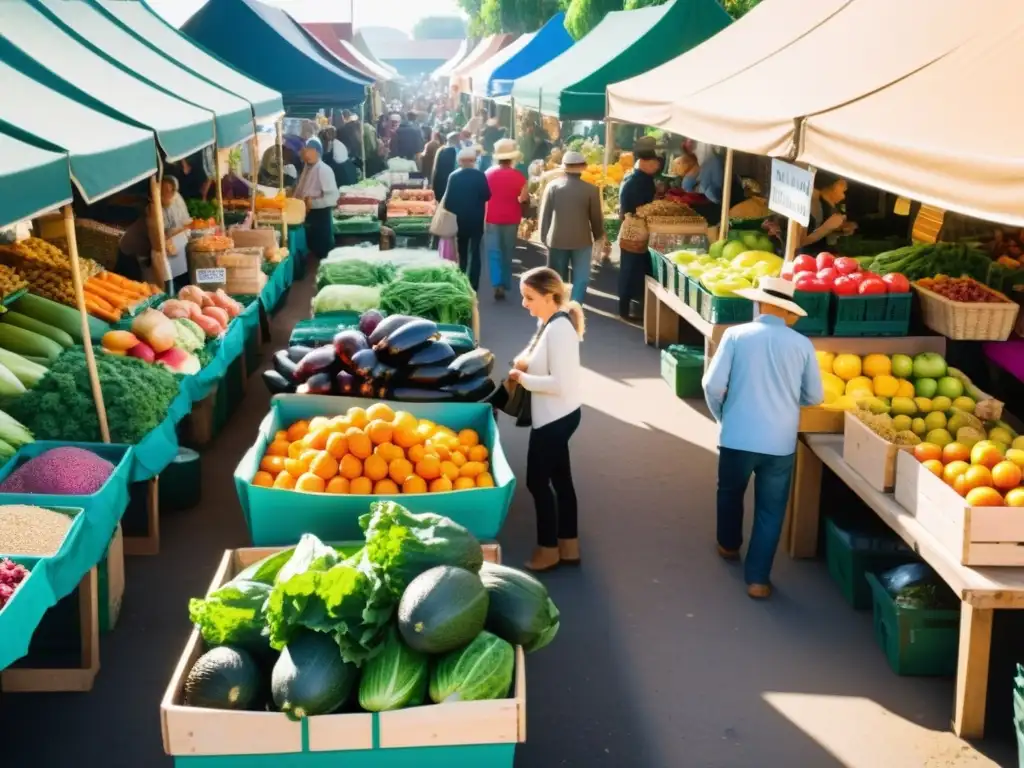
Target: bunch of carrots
108, 296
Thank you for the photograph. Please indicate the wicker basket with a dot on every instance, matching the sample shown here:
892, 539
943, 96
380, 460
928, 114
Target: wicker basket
986, 321
677, 225
633, 234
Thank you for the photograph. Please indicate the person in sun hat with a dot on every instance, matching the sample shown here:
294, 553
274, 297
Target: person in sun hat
761, 375
504, 212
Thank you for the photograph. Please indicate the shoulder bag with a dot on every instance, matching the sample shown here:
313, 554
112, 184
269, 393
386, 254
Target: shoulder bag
512, 398
444, 224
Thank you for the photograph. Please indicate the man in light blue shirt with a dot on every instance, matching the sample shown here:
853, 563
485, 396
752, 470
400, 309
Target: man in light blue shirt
761, 375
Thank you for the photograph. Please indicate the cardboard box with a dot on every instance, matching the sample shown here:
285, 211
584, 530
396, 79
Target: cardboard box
238, 272
261, 237
873, 458
817, 419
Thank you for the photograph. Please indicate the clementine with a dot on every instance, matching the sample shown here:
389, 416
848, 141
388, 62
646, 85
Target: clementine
414, 484
1015, 498
429, 467
350, 467
440, 484
386, 487
984, 497
324, 465
399, 470
955, 452
337, 445
358, 417
310, 483
950, 472
978, 477
284, 481
359, 445
1006, 475
379, 431
927, 452
337, 485
263, 479
375, 467
361, 486
934, 466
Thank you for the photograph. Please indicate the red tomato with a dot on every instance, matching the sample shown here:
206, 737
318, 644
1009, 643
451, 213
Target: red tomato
859, 277
805, 263
808, 283
827, 275
872, 286
845, 286
846, 266
897, 283
824, 260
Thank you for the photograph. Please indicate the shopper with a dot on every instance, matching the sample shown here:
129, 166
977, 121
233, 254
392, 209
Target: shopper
637, 189
444, 164
467, 197
319, 191
429, 153
571, 222
549, 369
504, 212
761, 375
407, 141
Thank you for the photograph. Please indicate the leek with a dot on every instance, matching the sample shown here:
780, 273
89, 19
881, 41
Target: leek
13, 432
26, 371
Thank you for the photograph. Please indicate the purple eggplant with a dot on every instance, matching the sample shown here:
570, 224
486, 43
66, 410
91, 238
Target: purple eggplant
471, 390
284, 365
276, 383
367, 389
348, 343
299, 351
369, 320
401, 345
416, 395
345, 383
317, 384
387, 326
472, 364
435, 353
364, 362
383, 373
320, 360
430, 376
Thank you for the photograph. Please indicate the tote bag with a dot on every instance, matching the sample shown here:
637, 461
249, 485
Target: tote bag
512, 398
444, 223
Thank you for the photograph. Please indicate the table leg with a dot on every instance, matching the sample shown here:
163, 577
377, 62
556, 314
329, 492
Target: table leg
651, 305
805, 503
972, 671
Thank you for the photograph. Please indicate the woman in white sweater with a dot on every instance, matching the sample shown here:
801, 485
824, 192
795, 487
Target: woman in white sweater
550, 370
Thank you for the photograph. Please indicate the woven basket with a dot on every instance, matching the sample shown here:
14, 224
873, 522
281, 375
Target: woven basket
986, 321
677, 225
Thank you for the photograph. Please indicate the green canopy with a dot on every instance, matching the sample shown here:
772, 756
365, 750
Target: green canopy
624, 44
32, 180
33, 44
106, 37
140, 20
106, 154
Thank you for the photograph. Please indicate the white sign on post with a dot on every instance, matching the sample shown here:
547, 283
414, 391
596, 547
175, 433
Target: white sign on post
790, 192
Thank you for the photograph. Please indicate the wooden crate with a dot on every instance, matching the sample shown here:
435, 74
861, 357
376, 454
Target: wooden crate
975, 536
111, 583
813, 420
198, 425
26, 679
148, 544
480, 734
873, 458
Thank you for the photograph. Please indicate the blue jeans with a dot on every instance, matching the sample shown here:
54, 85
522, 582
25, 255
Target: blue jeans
501, 246
560, 259
772, 475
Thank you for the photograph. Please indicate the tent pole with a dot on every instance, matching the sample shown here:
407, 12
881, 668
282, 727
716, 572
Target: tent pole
367, 107
794, 234
512, 106
90, 355
723, 227
216, 177
280, 175
254, 162
609, 144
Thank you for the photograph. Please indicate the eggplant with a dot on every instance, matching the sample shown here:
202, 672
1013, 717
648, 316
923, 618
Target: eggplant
471, 390
401, 345
367, 389
437, 352
317, 384
348, 343
383, 373
472, 364
320, 360
276, 383
364, 362
345, 383
284, 365
369, 320
299, 351
415, 395
430, 376
388, 326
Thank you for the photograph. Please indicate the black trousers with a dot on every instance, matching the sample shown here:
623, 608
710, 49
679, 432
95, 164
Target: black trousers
319, 231
469, 256
549, 479
633, 268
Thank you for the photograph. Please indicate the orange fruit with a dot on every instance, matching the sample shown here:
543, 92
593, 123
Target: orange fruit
478, 453
380, 411
272, 464
386, 487
352, 431
338, 485
284, 481
282, 434
296, 467
449, 470
375, 467
310, 483
458, 458
308, 455
337, 445
429, 467
406, 438
977, 477
298, 430
425, 431
424, 424
472, 469
1006, 475
927, 452
324, 465
469, 437
440, 485
399, 470
464, 484
960, 484
416, 453
358, 417
955, 452
952, 470
986, 453
414, 484
318, 440
404, 420
360, 445
341, 424
389, 452
263, 479
295, 449
379, 431
319, 422
350, 467
1015, 498
934, 466
984, 497
278, 448
441, 451
361, 486
484, 480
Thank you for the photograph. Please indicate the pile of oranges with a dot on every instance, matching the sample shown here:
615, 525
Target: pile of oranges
374, 451
985, 474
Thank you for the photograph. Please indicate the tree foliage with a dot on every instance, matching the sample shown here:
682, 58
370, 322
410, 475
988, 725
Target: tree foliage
517, 16
439, 28
583, 15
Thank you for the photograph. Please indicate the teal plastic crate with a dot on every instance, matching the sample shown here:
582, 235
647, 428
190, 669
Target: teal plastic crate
659, 267
918, 642
723, 310
320, 329
682, 368
682, 285
851, 555
885, 315
693, 294
465, 756
278, 517
818, 306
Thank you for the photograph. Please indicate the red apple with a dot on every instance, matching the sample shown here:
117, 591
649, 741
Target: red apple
809, 283
824, 260
846, 266
872, 286
805, 263
845, 286
142, 351
896, 283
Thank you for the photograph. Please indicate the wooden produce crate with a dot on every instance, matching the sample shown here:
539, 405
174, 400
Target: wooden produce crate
199, 427
477, 734
110, 583
975, 536
982, 321
816, 419
873, 458
141, 521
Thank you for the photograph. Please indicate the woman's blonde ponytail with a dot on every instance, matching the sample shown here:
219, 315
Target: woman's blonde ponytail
575, 312
548, 282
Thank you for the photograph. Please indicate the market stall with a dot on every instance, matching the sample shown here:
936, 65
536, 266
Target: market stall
445, 70
486, 50
549, 41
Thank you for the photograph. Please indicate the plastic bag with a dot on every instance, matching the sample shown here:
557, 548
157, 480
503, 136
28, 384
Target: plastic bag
447, 249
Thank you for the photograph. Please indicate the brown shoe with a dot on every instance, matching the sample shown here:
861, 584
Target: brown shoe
544, 559
499, 294
728, 554
759, 591
569, 551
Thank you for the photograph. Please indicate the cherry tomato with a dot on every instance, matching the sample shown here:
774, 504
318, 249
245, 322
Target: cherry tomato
845, 286
872, 286
846, 266
805, 263
824, 260
897, 283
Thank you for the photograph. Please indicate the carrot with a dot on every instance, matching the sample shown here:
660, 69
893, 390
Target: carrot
99, 301
124, 284
114, 297
97, 311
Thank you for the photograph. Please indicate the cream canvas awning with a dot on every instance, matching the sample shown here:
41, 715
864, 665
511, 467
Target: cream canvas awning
945, 135
460, 76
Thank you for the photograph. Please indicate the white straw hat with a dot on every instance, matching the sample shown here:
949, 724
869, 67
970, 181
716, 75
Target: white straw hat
571, 158
774, 291
506, 149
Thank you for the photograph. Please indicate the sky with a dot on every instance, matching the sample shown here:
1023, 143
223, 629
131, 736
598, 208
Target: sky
401, 14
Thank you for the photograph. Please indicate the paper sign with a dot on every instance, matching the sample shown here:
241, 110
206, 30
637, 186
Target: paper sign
901, 207
217, 275
790, 192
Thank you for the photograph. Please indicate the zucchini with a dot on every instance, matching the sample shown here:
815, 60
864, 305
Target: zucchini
37, 326
26, 371
9, 384
25, 342
51, 313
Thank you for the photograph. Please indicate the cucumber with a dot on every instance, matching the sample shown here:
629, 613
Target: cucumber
51, 313
37, 326
31, 343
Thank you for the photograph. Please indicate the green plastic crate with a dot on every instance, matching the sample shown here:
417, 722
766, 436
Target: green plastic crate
682, 285
817, 305
320, 329
682, 368
886, 315
919, 642
693, 294
659, 267
851, 554
723, 310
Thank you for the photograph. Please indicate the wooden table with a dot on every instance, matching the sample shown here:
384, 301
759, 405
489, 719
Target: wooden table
981, 590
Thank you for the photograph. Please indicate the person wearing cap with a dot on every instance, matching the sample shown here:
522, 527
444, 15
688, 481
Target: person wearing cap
319, 190
492, 133
637, 189
467, 197
444, 164
761, 375
571, 221
504, 212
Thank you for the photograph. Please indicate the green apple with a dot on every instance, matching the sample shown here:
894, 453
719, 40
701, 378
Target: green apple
950, 387
926, 387
1000, 435
902, 366
941, 404
964, 403
939, 437
929, 365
